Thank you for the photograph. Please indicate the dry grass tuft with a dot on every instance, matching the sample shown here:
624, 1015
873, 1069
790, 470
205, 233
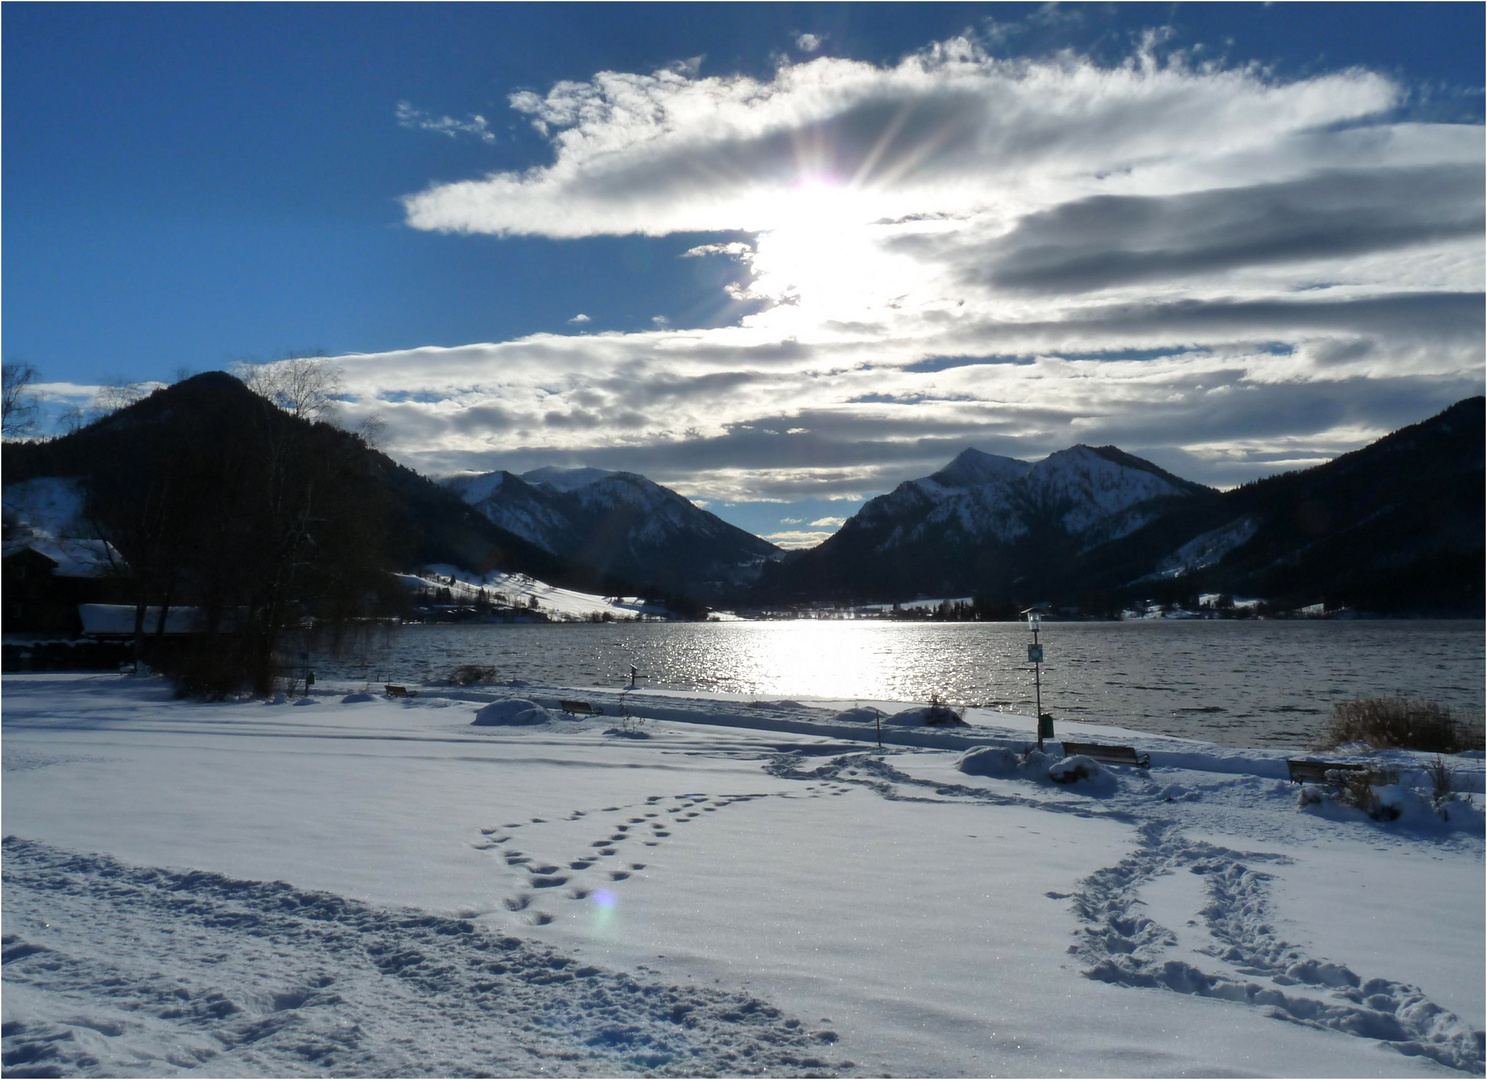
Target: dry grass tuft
471, 674
1400, 722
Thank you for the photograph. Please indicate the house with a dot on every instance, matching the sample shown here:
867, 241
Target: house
45, 579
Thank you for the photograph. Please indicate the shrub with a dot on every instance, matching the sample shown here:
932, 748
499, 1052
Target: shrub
1413, 725
1442, 777
630, 726
941, 713
470, 674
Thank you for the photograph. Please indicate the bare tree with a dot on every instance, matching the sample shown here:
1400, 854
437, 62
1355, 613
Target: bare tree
371, 430
306, 387
19, 405
117, 392
71, 419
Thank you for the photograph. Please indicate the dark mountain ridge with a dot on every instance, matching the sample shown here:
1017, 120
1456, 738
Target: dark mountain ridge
1395, 526
211, 413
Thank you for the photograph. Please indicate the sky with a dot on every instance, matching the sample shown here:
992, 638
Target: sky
779, 257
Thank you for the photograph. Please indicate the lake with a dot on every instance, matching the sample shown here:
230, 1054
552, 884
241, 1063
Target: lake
1236, 683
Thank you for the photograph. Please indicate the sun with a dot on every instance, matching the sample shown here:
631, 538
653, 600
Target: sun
818, 250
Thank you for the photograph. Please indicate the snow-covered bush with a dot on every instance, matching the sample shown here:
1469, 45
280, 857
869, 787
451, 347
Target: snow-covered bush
926, 715
1411, 808
941, 714
1073, 769
514, 712
1374, 791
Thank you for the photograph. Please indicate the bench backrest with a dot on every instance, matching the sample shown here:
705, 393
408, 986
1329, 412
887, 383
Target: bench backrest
1316, 771
1120, 755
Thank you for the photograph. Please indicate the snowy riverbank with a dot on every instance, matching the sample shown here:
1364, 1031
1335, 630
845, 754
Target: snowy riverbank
753, 887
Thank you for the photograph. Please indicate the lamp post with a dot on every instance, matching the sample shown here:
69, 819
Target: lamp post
1035, 657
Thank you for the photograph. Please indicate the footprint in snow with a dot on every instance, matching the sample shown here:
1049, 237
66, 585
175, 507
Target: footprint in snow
1252, 966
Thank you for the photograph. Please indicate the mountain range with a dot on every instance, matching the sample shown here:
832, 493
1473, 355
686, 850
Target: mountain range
1394, 527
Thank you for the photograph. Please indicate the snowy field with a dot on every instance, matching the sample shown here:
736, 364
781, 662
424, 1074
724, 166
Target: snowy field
349, 885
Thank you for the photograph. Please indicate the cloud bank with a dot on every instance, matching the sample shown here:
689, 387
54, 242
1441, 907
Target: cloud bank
1225, 272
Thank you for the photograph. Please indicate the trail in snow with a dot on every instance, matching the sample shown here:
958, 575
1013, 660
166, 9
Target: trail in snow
172, 972
1244, 959
591, 873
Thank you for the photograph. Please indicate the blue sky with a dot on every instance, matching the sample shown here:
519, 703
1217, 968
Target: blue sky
780, 257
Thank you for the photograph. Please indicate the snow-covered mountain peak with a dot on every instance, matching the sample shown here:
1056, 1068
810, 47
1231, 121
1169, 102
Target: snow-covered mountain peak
475, 487
974, 468
560, 479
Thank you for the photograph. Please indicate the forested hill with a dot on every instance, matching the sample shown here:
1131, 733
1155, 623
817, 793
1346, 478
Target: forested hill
191, 464
1395, 527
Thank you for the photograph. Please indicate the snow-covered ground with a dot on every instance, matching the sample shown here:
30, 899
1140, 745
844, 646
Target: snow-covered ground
349, 885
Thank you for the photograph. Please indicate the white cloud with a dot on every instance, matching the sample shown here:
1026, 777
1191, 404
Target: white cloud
828, 523
808, 43
418, 120
579, 318
793, 540
1194, 263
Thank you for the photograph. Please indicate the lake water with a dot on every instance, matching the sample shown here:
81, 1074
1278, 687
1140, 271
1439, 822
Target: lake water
1241, 683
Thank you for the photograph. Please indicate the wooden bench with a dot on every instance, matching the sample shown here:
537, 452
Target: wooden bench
1111, 755
400, 691
574, 708
1315, 772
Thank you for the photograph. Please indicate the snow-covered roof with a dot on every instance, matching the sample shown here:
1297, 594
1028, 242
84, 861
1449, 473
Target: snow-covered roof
74, 558
113, 620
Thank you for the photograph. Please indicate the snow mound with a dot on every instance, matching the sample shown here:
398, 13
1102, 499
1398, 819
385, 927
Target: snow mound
990, 761
514, 712
305, 701
357, 698
858, 716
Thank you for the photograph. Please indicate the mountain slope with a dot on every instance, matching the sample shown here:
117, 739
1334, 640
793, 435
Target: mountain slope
982, 524
1394, 526
620, 523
